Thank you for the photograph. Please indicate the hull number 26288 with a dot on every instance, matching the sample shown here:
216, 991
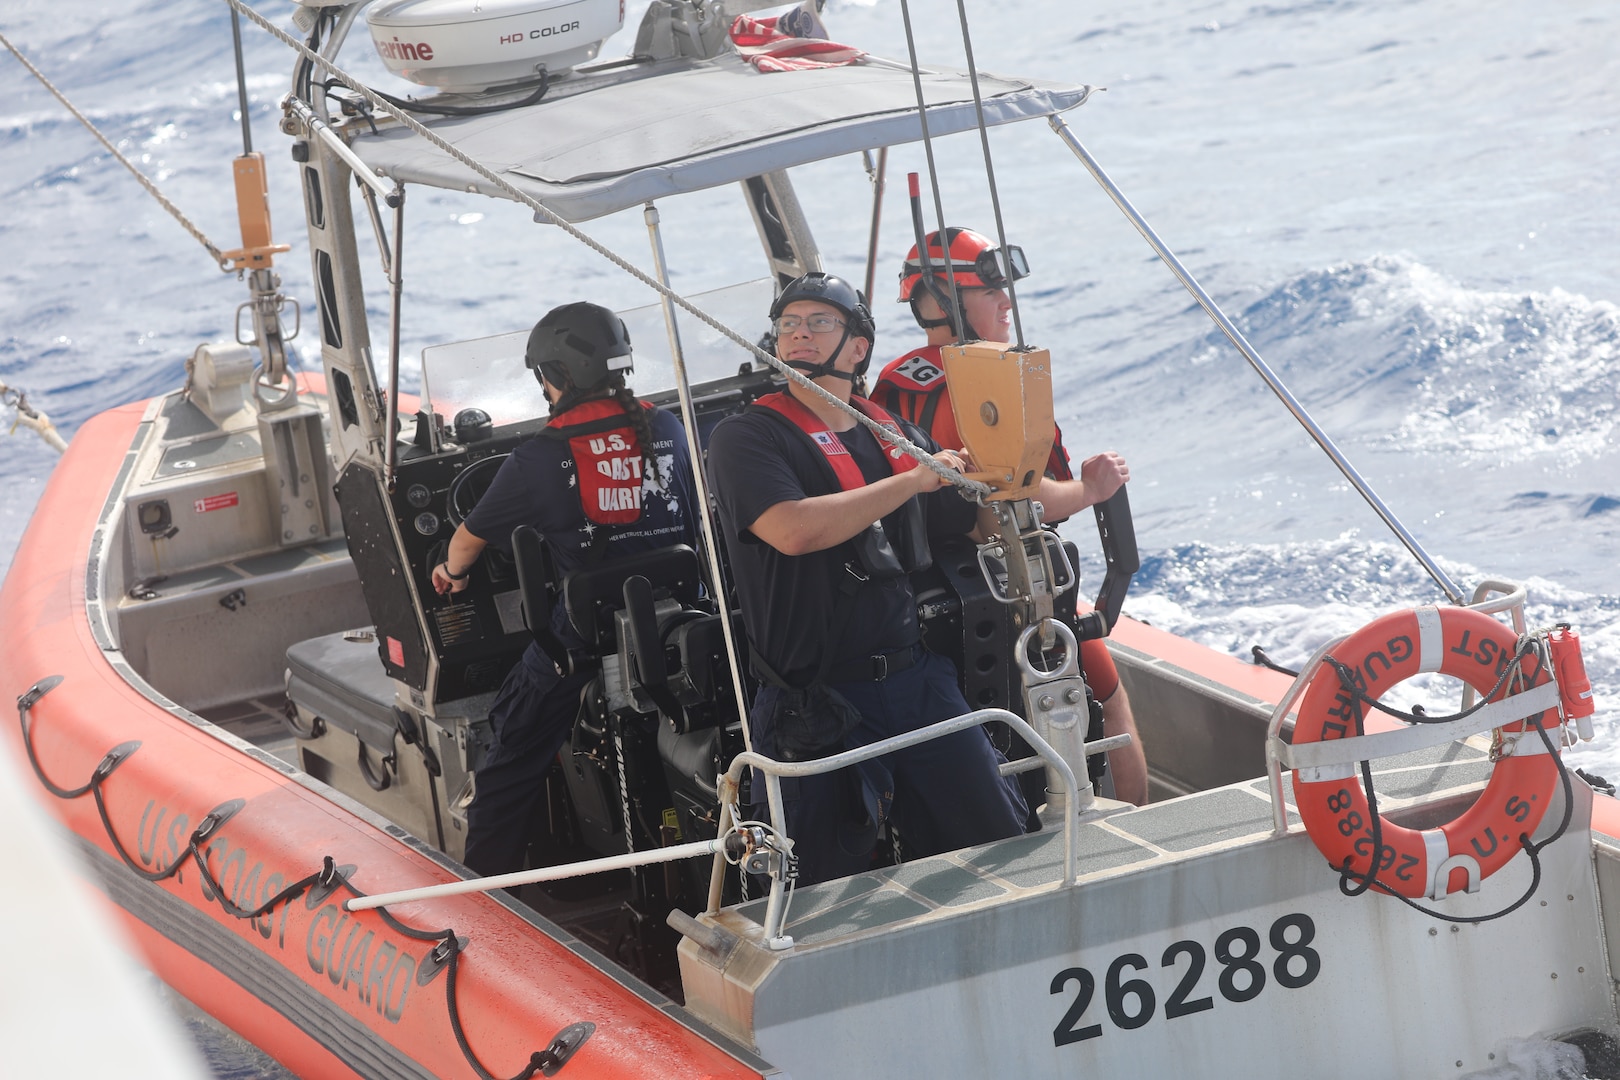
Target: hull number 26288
1132, 1002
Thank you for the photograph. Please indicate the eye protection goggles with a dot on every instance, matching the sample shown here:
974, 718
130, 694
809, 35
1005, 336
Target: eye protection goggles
994, 267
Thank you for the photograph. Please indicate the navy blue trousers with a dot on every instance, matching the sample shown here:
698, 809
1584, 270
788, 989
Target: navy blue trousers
532, 717
942, 795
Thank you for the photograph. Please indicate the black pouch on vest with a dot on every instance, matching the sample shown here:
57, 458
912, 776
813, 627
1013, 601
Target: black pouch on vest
812, 722
884, 553
874, 554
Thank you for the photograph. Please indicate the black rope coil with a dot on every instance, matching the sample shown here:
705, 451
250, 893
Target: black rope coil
1354, 884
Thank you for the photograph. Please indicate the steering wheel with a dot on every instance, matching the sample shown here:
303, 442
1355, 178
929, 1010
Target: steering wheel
469, 486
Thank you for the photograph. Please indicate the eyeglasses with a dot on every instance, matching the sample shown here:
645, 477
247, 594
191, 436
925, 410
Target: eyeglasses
816, 324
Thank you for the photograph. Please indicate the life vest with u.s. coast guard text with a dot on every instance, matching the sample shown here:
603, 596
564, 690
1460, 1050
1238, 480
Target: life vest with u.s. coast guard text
914, 387
880, 554
607, 459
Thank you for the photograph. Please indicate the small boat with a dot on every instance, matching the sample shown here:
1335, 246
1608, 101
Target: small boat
237, 691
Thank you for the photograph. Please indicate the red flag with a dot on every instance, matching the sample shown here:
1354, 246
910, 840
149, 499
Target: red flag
789, 42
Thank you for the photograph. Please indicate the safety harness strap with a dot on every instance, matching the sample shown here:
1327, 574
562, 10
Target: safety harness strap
845, 472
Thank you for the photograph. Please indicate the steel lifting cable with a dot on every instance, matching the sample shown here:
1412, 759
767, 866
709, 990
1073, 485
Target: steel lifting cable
225, 265
989, 173
319, 884
888, 435
955, 317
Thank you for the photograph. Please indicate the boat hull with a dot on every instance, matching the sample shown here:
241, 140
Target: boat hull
327, 992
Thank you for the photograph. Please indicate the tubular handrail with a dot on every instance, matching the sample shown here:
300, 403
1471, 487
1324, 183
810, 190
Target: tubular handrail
1285, 704
774, 770
1511, 599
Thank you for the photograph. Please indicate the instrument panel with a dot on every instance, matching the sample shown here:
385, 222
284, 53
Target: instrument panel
444, 647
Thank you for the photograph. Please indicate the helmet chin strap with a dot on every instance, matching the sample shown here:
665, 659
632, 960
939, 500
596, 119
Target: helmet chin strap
816, 371
959, 324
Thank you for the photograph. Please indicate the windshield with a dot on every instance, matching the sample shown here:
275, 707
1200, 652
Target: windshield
489, 373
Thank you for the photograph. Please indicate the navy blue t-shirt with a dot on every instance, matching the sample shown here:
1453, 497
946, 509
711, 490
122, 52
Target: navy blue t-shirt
755, 462
538, 485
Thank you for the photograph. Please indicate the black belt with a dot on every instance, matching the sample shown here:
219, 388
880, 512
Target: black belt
874, 668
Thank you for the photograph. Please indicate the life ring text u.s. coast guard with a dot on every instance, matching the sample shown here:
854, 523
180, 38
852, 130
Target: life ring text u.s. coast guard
1467, 645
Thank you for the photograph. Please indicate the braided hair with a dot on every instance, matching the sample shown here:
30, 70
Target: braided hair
640, 423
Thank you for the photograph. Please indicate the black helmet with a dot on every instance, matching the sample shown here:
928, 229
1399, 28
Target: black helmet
834, 292
579, 346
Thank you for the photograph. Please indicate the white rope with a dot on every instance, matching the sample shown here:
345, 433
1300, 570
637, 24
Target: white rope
31, 418
219, 257
894, 438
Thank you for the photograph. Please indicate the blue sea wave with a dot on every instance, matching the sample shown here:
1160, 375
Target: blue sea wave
1290, 599
1394, 354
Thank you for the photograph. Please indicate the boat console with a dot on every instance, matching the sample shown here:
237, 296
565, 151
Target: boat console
442, 649
395, 714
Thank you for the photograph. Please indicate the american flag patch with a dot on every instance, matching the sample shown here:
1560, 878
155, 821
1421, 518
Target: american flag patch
829, 442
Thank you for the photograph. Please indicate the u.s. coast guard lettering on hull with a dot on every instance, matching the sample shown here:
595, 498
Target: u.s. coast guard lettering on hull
377, 972
359, 955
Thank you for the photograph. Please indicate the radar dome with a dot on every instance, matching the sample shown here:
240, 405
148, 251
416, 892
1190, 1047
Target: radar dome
466, 46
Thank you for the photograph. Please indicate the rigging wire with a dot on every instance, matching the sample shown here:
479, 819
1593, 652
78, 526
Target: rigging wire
957, 319
990, 174
225, 264
1261, 368
887, 435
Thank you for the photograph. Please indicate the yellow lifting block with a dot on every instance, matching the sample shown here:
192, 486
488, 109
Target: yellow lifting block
253, 208
1002, 398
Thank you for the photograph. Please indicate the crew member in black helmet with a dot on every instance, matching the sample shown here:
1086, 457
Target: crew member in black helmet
823, 522
609, 476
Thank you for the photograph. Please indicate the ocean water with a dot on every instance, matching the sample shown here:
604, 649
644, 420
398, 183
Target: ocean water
1408, 206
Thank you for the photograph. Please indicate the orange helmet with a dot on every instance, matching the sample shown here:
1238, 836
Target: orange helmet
975, 263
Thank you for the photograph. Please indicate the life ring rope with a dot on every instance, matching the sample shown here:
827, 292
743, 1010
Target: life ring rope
1513, 675
1533, 850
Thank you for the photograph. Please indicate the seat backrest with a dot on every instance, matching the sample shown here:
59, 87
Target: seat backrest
592, 595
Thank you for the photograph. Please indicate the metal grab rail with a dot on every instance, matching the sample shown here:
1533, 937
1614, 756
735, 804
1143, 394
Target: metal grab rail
1274, 767
1280, 755
774, 770
1101, 746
